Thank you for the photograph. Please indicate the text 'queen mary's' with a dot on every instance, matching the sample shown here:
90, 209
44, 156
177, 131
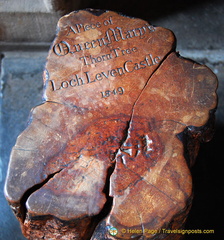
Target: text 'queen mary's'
111, 35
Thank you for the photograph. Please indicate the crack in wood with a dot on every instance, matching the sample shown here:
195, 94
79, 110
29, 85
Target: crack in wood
29, 192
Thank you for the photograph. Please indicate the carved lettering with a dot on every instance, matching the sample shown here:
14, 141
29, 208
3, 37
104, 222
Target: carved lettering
118, 91
142, 145
114, 53
78, 28
116, 34
74, 45
61, 48
74, 82
128, 67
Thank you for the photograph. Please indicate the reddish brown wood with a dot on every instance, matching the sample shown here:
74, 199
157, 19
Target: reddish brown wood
114, 139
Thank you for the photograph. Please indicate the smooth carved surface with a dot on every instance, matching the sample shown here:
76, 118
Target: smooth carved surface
112, 143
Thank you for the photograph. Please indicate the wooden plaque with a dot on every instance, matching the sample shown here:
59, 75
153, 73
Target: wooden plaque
107, 154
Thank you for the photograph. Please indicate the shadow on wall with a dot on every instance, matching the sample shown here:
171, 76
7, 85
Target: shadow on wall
142, 8
207, 208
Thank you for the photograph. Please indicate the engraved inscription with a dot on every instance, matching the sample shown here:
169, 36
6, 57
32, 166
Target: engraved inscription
61, 48
108, 93
143, 144
116, 34
114, 53
92, 43
85, 78
78, 28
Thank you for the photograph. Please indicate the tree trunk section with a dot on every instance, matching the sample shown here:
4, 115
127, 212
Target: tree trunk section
108, 153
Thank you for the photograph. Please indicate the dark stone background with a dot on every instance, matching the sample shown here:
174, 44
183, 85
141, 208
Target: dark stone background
199, 28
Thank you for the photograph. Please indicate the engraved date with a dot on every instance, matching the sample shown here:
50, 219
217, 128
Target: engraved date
108, 93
